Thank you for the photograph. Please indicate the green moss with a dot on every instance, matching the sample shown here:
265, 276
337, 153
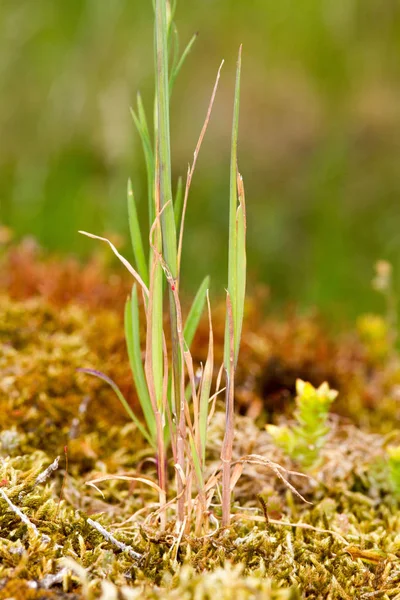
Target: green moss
343, 545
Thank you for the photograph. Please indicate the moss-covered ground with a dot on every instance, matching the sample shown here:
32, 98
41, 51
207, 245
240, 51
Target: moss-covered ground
344, 543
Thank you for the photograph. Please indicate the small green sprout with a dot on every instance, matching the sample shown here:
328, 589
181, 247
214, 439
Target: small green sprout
394, 468
304, 441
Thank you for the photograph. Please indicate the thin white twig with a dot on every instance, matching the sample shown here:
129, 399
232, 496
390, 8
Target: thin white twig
41, 478
23, 517
110, 538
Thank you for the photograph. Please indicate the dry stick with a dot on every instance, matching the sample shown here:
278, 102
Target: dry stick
192, 168
226, 453
31, 526
41, 478
110, 538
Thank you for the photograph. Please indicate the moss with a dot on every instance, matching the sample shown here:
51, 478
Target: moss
345, 544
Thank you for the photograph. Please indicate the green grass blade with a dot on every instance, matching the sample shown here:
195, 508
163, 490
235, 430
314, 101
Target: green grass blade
232, 253
121, 398
140, 121
206, 388
196, 310
178, 202
132, 336
196, 461
177, 67
240, 263
143, 120
163, 140
157, 333
136, 236
173, 8
174, 47
164, 203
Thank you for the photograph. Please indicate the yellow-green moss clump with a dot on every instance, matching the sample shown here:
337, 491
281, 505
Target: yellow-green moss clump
344, 544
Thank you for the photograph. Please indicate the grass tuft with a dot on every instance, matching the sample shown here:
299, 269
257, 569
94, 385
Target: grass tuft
177, 404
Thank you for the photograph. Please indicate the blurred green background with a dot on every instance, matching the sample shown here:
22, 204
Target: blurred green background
319, 134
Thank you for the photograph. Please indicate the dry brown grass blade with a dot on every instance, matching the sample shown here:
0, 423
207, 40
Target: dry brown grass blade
256, 459
192, 168
144, 480
214, 397
126, 263
236, 474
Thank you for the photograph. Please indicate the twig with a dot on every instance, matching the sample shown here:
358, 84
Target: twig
110, 538
41, 478
23, 517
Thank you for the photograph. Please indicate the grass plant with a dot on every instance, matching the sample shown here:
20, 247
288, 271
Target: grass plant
176, 406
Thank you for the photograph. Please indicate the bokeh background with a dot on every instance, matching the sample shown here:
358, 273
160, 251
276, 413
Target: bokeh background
319, 134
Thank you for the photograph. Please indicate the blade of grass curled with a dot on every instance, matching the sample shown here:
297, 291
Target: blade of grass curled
122, 399
132, 336
145, 480
195, 312
233, 200
206, 387
192, 168
240, 263
136, 236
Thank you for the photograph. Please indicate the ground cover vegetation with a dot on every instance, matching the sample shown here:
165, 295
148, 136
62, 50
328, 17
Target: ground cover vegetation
345, 543
167, 490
